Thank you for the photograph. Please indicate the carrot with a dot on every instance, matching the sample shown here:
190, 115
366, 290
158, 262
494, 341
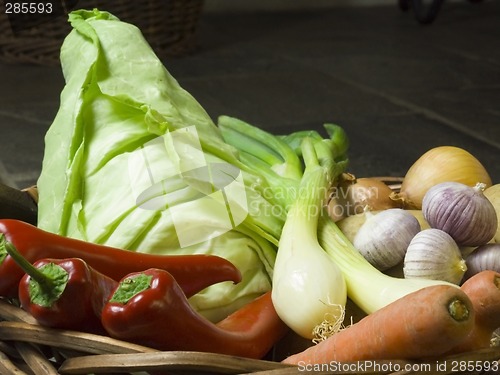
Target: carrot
424, 323
483, 290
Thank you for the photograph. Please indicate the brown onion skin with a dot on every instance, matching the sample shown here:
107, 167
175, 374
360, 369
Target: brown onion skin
440, 164
484, 257
461, 211
354, 195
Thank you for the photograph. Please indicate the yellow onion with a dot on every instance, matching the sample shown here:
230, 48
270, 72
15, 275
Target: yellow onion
355, 195
440, 164
493, 195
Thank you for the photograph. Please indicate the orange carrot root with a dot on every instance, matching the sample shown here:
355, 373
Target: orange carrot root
425, 323
483, 290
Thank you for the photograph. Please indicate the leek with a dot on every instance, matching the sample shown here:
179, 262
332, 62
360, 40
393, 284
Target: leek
267, 156
308, 287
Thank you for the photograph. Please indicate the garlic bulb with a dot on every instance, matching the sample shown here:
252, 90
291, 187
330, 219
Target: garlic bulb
493, 195
351, 224
384, 237
461, 211
433, 254
439, 164
485, 257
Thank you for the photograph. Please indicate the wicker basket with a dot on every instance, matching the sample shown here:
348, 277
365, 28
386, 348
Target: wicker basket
28, 348
168, 25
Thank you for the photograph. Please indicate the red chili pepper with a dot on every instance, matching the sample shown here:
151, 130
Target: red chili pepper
149, 308
193, 272
63, 293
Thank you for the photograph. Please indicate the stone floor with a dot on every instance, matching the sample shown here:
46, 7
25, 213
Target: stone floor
396, 86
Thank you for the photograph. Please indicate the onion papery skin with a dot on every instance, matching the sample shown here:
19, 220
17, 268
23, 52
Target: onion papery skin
354, 195
433, 254
440, 164
461, 211
484, 257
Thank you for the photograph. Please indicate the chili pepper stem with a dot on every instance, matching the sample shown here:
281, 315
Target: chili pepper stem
41, 278
130, 286
47, 283
3, 251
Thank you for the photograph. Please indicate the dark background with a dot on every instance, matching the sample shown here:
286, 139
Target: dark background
397, 87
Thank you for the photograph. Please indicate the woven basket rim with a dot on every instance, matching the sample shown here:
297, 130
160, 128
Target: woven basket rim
169, 26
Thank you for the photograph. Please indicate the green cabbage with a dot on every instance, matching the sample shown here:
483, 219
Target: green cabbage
112, 138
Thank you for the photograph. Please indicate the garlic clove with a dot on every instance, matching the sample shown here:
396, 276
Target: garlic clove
350, 225
433, 254
484, 257
461, 211
385, 236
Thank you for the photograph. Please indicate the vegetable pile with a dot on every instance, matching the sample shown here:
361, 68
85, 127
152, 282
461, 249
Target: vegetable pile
226, 236
448, 234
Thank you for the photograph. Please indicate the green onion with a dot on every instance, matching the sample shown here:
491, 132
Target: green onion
308, 286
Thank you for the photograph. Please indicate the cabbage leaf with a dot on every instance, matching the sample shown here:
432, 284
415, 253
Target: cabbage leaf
105, 172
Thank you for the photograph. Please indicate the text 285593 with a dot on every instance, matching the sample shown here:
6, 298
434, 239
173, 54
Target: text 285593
28, 8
